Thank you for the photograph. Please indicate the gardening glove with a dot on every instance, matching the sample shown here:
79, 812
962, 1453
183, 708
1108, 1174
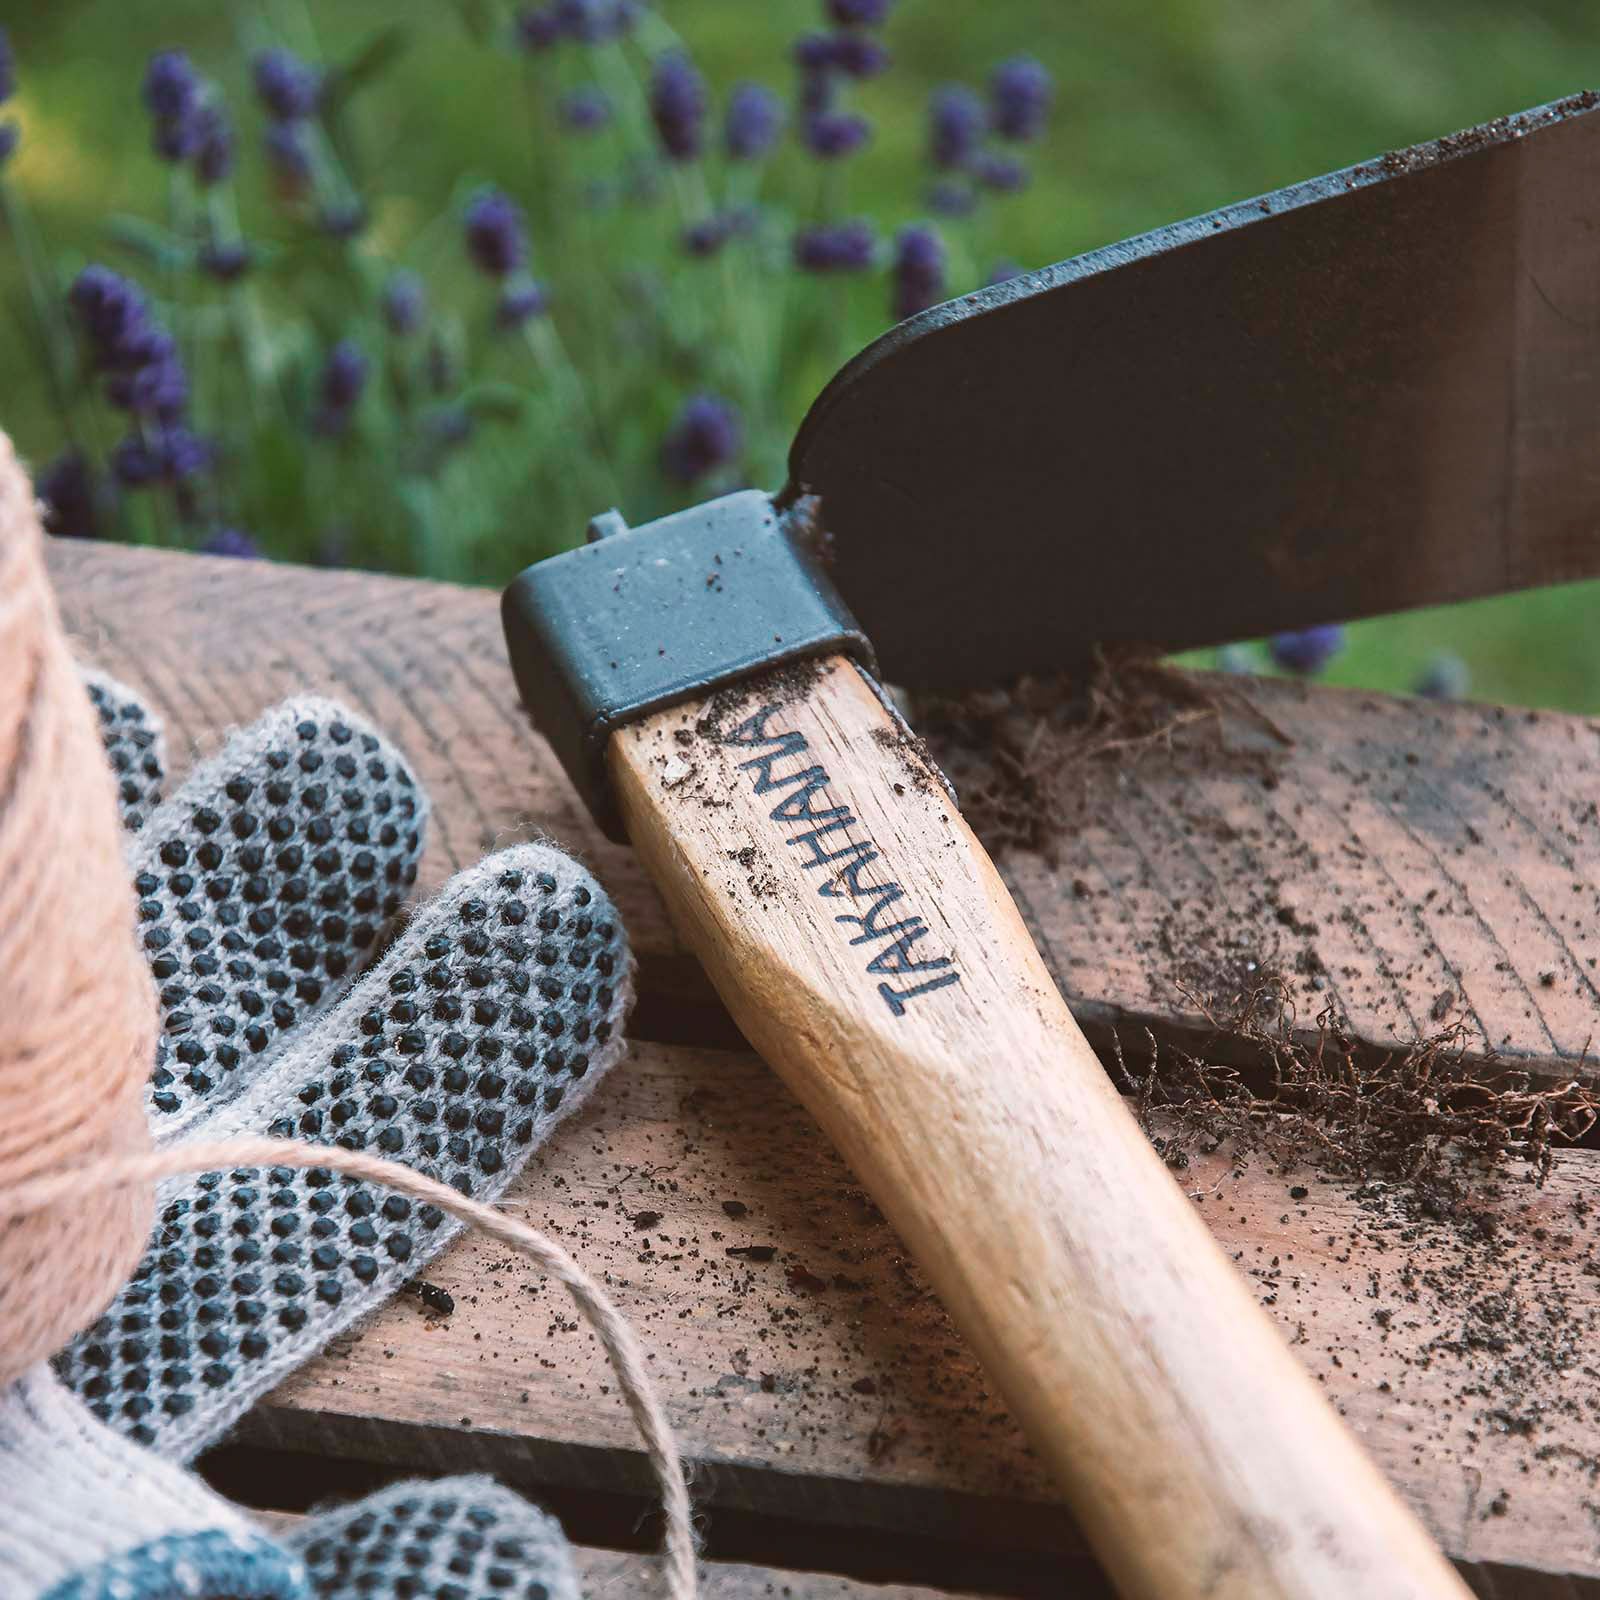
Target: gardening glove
262, 885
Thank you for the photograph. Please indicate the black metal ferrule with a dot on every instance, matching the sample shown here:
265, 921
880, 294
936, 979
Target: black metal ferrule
645, 618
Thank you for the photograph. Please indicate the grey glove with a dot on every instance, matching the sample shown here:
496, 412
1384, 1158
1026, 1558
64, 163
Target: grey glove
264, 885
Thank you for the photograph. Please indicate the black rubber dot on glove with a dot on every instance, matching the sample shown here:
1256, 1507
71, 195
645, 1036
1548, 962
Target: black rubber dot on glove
133, 746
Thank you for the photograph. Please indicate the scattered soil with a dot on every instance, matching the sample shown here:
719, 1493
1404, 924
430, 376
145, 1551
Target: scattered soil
1020, 756
783, 686
1436, 1117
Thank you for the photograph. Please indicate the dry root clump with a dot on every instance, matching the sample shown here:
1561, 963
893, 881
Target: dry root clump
1318, 1099
1021, 757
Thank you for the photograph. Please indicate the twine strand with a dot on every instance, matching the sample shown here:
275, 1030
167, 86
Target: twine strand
78, 1025
77, 1009
52, 1191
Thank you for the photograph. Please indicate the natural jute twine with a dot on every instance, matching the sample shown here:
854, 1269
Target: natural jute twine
77, 1010
77, 1036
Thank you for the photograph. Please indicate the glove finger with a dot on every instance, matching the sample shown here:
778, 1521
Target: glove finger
262, 883
493, 1015
457, 1539
131, 734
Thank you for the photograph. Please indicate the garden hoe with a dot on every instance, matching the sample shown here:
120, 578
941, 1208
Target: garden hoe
1372, 391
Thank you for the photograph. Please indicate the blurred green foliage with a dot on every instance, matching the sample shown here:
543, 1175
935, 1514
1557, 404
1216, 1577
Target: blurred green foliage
1163, 109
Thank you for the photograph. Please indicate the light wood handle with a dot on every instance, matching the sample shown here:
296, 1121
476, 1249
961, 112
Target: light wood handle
863, 941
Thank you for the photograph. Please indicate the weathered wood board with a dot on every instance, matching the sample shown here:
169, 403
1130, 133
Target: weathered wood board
814, 1377
1411, 862
1413, 850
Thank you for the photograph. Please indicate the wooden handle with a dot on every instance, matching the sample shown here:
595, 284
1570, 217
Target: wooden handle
864, 942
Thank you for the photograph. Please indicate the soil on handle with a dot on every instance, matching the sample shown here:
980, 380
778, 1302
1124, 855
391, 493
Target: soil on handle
1018, 755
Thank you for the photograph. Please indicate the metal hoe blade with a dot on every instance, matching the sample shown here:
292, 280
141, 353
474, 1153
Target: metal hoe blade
1373, 391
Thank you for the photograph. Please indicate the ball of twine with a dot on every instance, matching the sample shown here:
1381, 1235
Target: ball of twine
77, 1011
78, 1024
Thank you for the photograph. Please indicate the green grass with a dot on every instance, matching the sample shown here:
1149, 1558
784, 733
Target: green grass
1164, 108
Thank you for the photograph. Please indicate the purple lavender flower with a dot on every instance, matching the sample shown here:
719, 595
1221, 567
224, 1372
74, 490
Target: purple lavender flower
172, 96
678, 106
520, 303
173, 142
832, 135
339, 388
1000, 174
706, 434
585, 109
10, 137
184, 455
495, 237
342, 219
157, 388
227, 262
754, 121
1307, 651
951, 199
172, 456
8, 68
813, 52
860, 13
134, 464
67, 489
404, 302
1020, 91
593, 21
835, 247
705, 237
286, 86
538, 28
124, 341
213, 145
344, 376
231, 542
109, 305
171, 86
918, 270
285, 148
956, 122
859, 55
1003, 272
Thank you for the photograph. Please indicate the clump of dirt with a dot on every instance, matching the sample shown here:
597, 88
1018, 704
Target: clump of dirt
1020, 756
1433, 1117
782, 686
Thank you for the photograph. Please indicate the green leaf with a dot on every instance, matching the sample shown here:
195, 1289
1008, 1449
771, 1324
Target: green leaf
494, 402
366, 66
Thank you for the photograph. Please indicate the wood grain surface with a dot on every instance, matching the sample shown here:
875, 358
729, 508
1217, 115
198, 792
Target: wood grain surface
1408, 861
863, 941
812, 1375
816, 1379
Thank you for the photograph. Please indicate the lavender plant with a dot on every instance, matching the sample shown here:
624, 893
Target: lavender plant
458, 399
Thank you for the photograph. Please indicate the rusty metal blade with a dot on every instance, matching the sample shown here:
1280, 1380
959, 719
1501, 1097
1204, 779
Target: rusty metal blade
1373, 391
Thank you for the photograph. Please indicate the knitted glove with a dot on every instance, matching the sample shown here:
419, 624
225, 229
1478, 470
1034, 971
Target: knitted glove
88, 1516
262, 884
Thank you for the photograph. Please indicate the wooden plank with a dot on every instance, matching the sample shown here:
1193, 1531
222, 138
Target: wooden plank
1403, 858
612, 1575
825, 1385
